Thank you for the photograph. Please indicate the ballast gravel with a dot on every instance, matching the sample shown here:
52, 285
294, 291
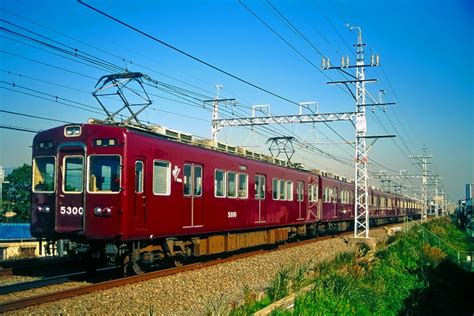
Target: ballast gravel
196, 292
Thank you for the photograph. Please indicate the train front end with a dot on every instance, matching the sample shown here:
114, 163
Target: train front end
77, 183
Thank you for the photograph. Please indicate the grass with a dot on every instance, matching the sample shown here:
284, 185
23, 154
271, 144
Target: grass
394, 280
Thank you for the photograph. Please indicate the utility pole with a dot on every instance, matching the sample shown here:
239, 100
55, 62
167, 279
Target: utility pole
422, 160
215, 128
361, 207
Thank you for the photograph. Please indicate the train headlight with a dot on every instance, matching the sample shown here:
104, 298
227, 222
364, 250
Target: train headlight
97, 211
107, 211
46, 209
43, 209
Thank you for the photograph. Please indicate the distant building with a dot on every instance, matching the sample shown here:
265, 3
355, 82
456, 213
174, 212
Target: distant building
16, 241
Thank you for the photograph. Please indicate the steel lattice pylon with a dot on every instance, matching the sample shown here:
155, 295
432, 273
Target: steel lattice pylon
361, 208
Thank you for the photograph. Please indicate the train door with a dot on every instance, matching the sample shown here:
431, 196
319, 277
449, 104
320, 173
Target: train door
140, 203
192, 192
70, 200
335, 201
260, 192
300, 199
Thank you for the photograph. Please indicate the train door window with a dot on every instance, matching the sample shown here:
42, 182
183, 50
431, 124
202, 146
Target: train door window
341, 196
325, 194
231, 184
276, 189
161, 177
73, 174
197, 180
187, 180
300, 191
289, 190
43, 174
243, 185
259, 187
312, 193
282, 189
139, 177
219, 183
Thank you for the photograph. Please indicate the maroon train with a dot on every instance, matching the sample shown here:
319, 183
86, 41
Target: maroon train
143, 197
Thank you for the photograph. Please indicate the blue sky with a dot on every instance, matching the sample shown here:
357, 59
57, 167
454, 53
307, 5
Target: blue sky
427, 68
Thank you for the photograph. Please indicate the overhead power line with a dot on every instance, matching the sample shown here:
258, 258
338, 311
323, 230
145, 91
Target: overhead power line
21, 129
35, 116
154, 38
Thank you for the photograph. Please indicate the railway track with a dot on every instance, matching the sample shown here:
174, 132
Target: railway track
6, 272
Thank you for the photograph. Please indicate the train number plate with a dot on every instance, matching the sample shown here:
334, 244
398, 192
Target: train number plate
71, 210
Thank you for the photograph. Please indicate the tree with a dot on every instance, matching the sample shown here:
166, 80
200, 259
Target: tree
17, 195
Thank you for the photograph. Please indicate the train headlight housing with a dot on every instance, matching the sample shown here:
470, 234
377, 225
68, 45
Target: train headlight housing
97, 211
43, 209
72, 131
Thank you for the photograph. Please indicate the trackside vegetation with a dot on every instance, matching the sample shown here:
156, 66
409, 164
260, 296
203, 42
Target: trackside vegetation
417, 272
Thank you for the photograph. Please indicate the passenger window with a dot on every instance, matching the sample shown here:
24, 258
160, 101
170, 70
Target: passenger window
282, 189
276, 189
161, 177
219, 183
231, 184
243, 185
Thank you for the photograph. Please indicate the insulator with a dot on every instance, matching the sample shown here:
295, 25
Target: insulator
347, 61
342, 62
328, 63
377, 60
372, 60
323, 62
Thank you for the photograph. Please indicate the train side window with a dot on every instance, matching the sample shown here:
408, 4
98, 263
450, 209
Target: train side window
139, 177
312, 193
289, 190
44, 174
161, 177
231, 184
300, 191
243, 185
187, 180
219, 183
276, 189
259, 187
282, 189
73, 174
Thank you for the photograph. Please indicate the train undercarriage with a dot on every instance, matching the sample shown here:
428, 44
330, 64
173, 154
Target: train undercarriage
136, 257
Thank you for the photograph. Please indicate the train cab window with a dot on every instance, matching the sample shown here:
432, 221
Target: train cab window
243, 185
219, 183
259, 187
161, 177
104, 174
43, 174
73, 174
231, 184
300, 191
139, 177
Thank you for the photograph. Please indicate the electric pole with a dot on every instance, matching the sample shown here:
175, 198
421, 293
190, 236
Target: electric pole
422, 160
215, 128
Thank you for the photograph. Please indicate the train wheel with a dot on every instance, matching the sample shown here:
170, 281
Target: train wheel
178, 261
130, 267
